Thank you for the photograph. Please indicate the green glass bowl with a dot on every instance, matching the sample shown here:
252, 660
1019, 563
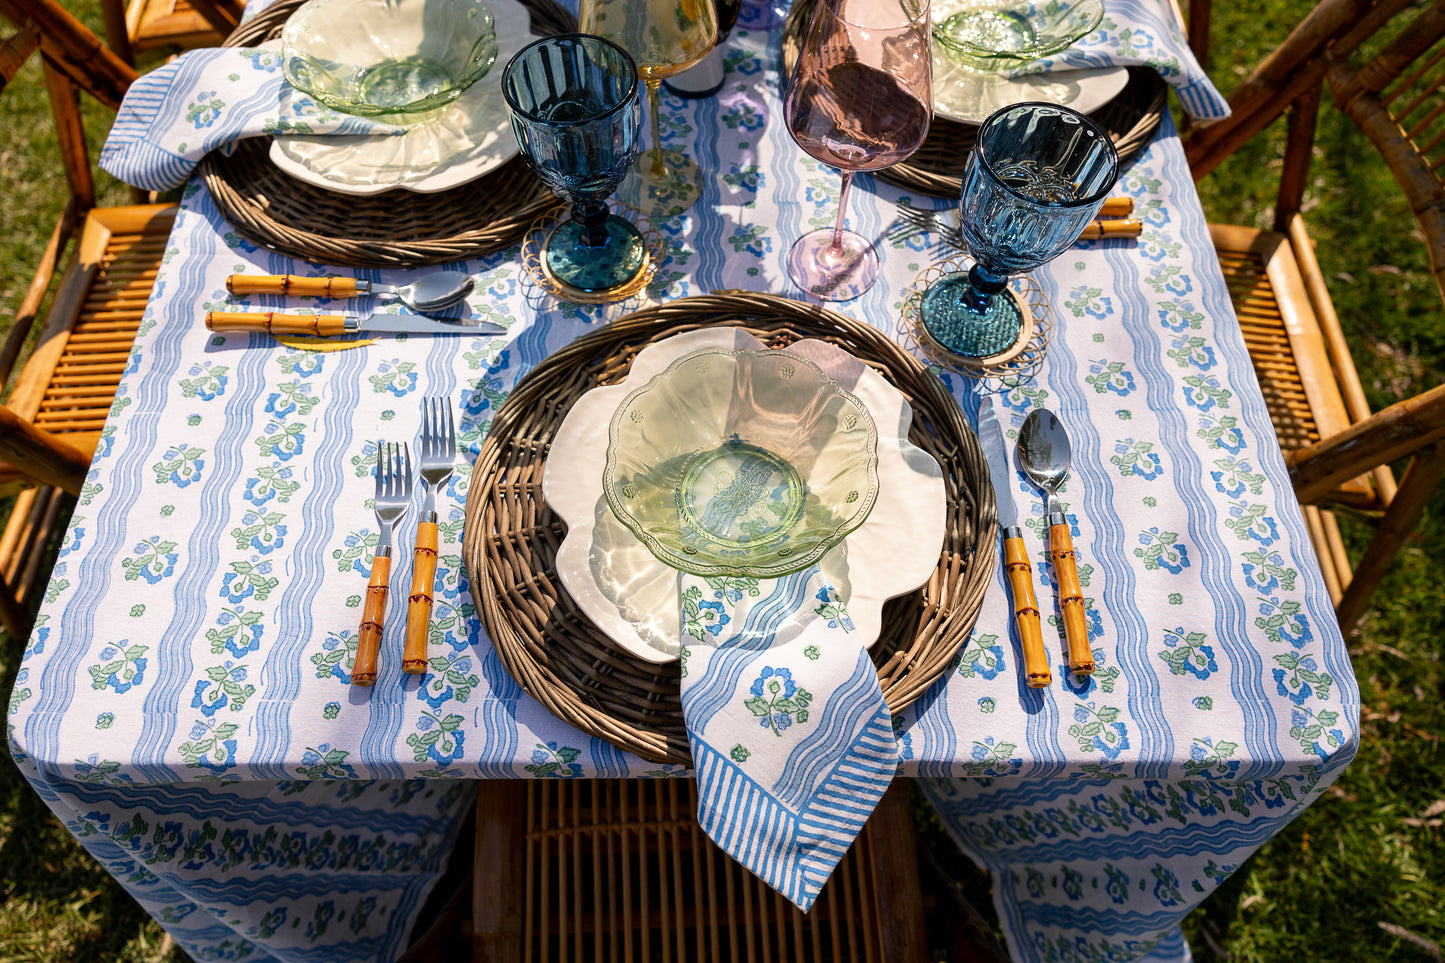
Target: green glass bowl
375, 57
1001, 35
740, 462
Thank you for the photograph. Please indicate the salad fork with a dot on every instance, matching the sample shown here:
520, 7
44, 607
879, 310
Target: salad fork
918, 220
393, 494
438, 451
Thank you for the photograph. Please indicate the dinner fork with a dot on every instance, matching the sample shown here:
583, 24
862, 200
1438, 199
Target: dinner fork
438, 451
393, 494
917, 220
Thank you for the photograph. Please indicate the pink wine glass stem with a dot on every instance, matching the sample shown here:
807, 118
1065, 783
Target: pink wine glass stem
836, 248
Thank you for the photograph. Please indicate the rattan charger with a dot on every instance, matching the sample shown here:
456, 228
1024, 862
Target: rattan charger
511, 537
396, 228
1130, 119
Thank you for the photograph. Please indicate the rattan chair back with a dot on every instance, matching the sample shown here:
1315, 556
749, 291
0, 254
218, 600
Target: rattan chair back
105, 261
1339, 453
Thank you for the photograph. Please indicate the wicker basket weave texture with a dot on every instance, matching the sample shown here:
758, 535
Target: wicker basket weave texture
396, 228
511, 537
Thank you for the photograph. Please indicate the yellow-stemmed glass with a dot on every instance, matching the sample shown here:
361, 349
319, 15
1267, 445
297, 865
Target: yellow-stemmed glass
664, 37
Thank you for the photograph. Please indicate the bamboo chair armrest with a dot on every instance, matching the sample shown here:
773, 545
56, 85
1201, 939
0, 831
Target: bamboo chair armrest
1399, 430
49, 459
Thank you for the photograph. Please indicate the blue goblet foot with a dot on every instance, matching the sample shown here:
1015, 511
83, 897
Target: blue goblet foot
960, 320
574, 256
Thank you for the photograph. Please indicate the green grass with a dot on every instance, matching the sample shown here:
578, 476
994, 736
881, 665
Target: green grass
1358, 876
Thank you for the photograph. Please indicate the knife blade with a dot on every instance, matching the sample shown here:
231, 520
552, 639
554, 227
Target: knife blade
1016, 559
333, 325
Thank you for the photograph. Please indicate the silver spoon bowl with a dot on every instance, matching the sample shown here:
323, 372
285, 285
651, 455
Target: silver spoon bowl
1045, 455
427, 294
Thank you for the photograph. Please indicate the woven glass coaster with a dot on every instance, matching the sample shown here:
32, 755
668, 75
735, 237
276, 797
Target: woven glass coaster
1016, 363
542, 227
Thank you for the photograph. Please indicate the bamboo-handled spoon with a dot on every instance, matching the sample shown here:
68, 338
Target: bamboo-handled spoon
428, 294
1045, 454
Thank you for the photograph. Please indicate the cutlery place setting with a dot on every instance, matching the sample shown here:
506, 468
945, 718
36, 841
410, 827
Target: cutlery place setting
395, 481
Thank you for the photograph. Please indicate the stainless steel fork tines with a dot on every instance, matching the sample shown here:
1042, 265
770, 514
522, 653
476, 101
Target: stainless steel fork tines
438, 449
915, 220
393, 494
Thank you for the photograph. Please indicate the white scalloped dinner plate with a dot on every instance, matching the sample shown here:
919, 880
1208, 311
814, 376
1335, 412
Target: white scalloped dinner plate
969, 97
633, 597
459, 143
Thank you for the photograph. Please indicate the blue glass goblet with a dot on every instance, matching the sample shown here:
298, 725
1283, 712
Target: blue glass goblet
1036, 177
575, 109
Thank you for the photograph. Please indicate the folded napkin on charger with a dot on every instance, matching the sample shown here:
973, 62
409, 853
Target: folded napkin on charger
1143, 33
791, 739
208, 99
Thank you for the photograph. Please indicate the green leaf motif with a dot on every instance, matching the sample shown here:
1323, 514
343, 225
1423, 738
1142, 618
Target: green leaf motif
122, 666
210, 741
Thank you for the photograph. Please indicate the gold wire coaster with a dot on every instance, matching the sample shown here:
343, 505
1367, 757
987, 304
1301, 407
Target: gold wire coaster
542, 228
1016, 363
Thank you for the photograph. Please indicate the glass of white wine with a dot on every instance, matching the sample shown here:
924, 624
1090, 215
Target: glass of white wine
665, 38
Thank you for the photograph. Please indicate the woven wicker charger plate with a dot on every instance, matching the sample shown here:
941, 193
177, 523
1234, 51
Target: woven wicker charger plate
396, 228
1130, 119
511, 537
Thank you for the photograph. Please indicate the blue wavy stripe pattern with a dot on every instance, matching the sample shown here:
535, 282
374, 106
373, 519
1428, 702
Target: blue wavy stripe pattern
846, 719
227, 803
1269, 459
1131, 639
1065, 916
286, 660
708, 244
718, 682
1232, 839
203, 548
1231, 628
496, 755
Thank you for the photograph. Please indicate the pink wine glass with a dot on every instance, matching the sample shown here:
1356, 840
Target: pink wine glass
859, 101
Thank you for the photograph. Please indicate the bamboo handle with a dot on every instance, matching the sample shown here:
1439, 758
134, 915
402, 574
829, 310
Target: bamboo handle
312, 325
418, 609
1071, 599
1098, 229
291, 284
1116, 207
373, 613
1026, 611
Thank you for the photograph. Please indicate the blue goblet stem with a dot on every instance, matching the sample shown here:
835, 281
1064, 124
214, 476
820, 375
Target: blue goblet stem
983, 286
592, 216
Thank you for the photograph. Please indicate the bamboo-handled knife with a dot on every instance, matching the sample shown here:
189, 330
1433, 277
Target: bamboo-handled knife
334, 325
1016, 557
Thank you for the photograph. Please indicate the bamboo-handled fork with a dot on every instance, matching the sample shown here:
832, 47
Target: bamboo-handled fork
1111, 221
438, 451
393, 494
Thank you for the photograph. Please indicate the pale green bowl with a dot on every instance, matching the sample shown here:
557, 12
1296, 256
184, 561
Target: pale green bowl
744, 463
1002, 35
374, 57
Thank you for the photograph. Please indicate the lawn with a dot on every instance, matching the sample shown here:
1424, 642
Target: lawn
1358, 876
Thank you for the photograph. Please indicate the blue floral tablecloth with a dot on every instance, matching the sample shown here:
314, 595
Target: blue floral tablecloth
184, 704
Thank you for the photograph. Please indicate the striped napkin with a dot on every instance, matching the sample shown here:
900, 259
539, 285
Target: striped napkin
791, 739
1144, 33
208, 99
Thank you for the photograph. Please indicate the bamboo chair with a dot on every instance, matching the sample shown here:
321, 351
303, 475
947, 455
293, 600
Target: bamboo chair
58, 401
167, 26
1338, 451
619, 870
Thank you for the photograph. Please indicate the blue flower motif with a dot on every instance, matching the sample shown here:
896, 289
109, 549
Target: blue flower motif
790, 688
715, 621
